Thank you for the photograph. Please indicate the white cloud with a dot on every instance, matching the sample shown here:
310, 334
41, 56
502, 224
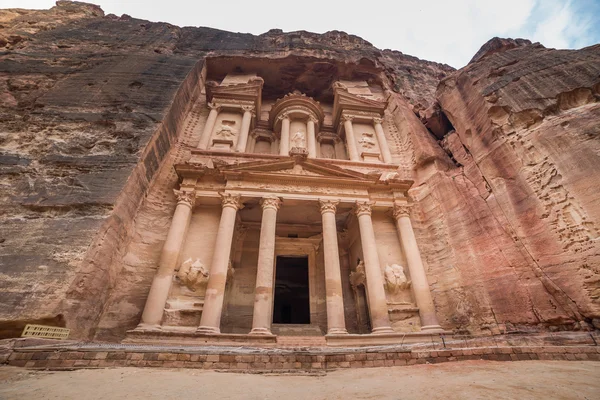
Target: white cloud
443, 31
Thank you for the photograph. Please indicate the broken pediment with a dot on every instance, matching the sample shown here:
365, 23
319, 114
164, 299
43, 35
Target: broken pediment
344, 101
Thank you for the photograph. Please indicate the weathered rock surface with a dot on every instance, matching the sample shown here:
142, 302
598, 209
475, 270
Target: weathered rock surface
519, 211
92, 116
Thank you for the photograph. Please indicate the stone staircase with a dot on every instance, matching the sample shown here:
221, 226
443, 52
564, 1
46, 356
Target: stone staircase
291, 335
301, 341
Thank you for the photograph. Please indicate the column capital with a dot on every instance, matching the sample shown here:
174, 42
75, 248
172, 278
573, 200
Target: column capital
313, 119
283, 116
401, 210
328, 206
377, 120
248, 108
214, 106
273, 202
363, 207
231, 200
347, 117
187, 197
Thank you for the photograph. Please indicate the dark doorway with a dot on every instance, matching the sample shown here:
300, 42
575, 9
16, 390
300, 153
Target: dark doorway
291, 291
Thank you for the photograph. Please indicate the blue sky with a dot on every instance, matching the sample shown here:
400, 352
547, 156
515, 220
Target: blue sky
445, 31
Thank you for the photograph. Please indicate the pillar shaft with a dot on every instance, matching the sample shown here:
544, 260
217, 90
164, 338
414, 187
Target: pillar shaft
350, 140
245, 130
310, 138
383, 144
336, 322
416, 269
378, 310
208, 127
213, 299
284, 142
263, 295
161, 284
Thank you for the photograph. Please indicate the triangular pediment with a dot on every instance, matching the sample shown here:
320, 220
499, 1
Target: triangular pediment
296, 168
244, 92
352, 103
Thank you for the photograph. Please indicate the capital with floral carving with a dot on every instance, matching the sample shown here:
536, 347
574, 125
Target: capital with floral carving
328, 206
363, 208
270, 202
231, 200
249, 108
401, 210
313, 118
283, 116
378, 120
214, 106
347, 117
187, 197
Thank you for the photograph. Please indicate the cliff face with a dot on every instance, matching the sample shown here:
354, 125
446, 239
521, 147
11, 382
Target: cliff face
92, 106
519, 209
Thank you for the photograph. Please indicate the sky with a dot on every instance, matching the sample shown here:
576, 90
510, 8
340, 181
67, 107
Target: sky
449, 32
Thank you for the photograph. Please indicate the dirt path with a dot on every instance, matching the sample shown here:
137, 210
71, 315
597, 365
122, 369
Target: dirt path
463, 380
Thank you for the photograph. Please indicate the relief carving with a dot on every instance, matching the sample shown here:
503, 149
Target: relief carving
358, 276
193, 274
395, 279
227, 130
298, 139
367, 141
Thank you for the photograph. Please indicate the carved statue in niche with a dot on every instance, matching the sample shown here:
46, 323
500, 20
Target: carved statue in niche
298, 139
395, 279
366, 141
357, 277
193, 274
227, 130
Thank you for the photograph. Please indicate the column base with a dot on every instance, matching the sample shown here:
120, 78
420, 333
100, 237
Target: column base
208, 330
148, 327
337, 331
432, 328
260, 331
382, 330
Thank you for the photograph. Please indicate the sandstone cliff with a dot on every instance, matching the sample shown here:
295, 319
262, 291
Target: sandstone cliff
92, 106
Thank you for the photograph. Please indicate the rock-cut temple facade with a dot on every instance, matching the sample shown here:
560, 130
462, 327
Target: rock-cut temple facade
292, 215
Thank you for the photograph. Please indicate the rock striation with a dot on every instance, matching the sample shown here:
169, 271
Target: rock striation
504, 154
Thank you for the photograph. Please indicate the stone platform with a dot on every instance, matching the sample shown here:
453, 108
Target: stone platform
72, 355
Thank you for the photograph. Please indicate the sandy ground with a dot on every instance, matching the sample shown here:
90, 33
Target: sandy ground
463, 380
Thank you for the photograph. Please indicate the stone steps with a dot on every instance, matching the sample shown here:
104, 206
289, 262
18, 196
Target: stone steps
301, 341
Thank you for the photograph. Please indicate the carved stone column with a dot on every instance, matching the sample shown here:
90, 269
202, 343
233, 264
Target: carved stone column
383, 145
380, 320
310, 137
213, 300
350, 140
245, 130
336, 322
429, 321
209, 126
284, 142
263, 295
252, 143
161, 284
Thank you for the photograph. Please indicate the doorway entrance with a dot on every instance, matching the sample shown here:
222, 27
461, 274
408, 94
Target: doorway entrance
291, 305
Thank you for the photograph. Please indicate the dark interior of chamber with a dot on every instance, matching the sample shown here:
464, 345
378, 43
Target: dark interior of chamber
291, 291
